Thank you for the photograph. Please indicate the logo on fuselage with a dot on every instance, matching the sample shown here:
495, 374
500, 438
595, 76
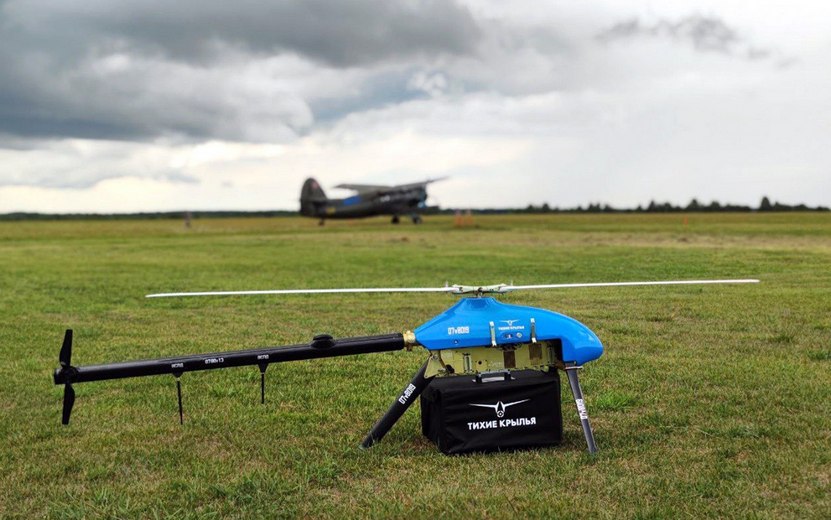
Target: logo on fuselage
509, 325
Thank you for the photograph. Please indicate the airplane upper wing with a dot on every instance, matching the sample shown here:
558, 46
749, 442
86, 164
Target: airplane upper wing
369, 188
363, 188
417, 184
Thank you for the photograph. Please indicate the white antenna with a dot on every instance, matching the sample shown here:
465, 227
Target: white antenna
451, 289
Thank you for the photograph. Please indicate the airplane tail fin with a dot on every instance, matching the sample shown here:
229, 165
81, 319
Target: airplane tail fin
311, 197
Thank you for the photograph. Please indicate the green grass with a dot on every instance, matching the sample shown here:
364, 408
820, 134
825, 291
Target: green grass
708, 402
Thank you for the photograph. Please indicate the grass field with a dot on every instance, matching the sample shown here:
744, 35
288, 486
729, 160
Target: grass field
708, 402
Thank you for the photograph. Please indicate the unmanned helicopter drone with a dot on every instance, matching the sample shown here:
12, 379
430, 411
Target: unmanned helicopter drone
477, 336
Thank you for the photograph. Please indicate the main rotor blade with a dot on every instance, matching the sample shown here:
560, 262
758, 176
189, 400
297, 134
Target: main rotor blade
509, 288
450, 289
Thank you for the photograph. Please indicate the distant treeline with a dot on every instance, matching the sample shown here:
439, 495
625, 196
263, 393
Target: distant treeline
666, 207
652, 207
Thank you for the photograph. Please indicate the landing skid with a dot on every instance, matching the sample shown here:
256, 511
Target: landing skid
577, 392
399, 406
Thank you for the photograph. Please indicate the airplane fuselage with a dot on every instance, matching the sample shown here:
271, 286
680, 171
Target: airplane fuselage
361, 205
369, 201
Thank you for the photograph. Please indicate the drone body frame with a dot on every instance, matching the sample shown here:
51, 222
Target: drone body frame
476, 337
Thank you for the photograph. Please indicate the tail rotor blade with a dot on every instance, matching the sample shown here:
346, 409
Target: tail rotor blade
65, 357
65, 374
68, 402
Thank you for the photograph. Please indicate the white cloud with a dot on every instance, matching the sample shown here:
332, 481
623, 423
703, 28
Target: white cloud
228, 175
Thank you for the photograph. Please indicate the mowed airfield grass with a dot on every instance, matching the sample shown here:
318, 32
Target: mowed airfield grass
709, 401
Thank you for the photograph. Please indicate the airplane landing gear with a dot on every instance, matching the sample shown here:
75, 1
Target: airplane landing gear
416, 218
395, 219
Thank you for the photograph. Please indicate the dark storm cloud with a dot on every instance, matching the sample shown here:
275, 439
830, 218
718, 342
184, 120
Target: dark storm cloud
139, 70
704, 33
380, 90
341, 34
347, 33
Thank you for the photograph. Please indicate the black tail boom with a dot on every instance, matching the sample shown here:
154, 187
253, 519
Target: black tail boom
321, 347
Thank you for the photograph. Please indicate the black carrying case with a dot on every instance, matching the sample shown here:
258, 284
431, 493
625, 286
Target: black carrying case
461, 415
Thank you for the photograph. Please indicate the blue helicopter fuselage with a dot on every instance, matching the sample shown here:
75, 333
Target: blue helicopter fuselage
483, 322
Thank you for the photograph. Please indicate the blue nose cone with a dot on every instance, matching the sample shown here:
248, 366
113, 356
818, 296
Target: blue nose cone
584, 346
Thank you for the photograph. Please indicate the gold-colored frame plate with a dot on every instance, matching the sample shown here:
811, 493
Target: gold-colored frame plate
538, 356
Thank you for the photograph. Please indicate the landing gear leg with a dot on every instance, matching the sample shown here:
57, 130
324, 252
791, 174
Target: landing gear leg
416, 218
399, 406
571, 371
322, 221
395, 219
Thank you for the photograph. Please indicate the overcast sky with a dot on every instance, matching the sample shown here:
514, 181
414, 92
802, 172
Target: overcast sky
122, 106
